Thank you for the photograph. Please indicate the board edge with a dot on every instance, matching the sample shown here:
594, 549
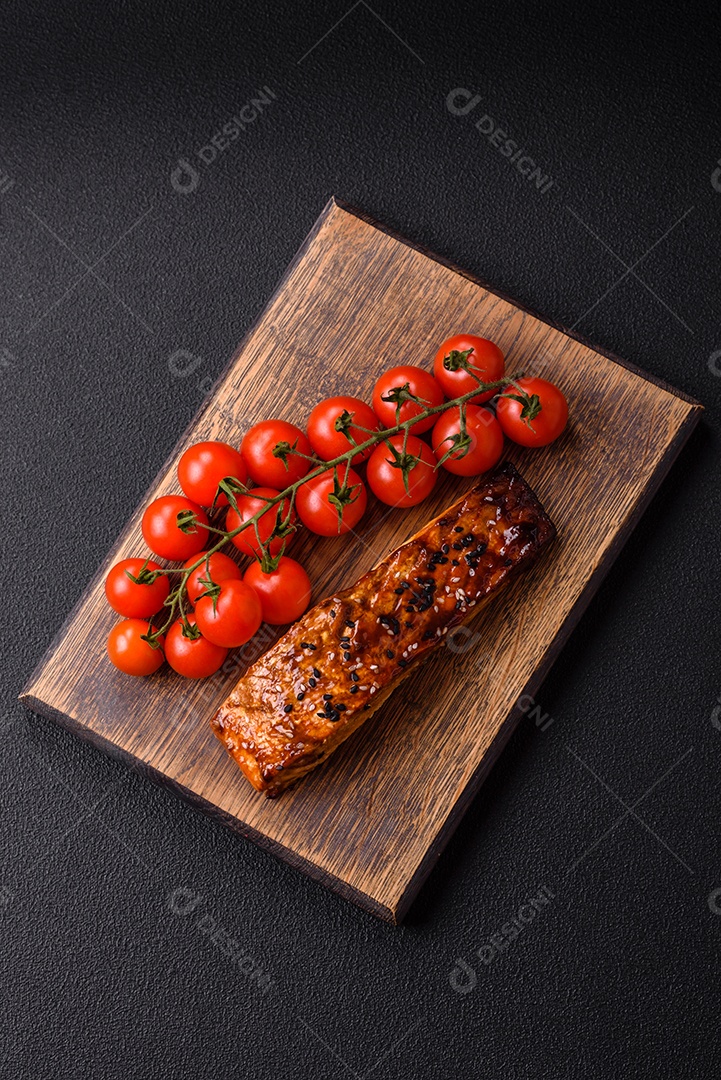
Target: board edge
296, 862
355, 211
425, 867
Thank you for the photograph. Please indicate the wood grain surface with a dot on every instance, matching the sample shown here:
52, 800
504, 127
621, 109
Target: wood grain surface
371, 822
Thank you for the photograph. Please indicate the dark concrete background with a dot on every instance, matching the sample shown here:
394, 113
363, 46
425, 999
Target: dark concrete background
132, 925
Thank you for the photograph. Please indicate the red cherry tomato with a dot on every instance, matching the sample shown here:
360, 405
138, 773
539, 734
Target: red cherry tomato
216, 567
319, 514
462, 356
482, 452
325, 438
265, 468
232, 617
204, 465
129, 652
532, 412
161, 531
136, 601
385, 471
284, 593
399, 381
191, 654
248, 507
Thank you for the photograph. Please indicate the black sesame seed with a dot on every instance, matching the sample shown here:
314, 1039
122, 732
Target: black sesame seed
443, 521
332, 614
458, 528
399, 591
405, 585
345, 641
457, 545
429, 634
321, 714
299, 697
445, 549
316, 673
327, 697
390, 654
349, 622
334, 716
354, 689
408, 623
304, 645
459, 605
287, 708
455, 562
340, 707
508, 562
346, 656
443, 560
355, 676
468, 540
312, 683
402, 663
410, 609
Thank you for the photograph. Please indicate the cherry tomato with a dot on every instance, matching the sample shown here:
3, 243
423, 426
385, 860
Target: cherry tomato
192, 656
406, 380
327, 441
284, 593
385, 471
136, 601
266, 469
217, 567
204, 465
129, 652
483, 449
161, 531
232, 616
532, 412
319, 514
481, 356
248, 507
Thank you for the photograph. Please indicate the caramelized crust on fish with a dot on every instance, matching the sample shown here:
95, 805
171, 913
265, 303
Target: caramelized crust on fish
338, 663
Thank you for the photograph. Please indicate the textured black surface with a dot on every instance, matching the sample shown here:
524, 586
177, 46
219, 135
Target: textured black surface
128, 918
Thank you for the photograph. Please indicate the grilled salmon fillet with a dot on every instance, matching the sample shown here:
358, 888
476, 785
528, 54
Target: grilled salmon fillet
342, 659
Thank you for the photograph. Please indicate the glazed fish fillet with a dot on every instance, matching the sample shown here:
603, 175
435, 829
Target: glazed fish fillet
338, 663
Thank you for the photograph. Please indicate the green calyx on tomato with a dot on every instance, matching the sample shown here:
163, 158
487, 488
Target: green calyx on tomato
530, 405
399, 395
187, 521
457, 359
404, 461
343, 494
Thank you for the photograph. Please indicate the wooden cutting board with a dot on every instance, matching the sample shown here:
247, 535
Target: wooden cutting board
372, 821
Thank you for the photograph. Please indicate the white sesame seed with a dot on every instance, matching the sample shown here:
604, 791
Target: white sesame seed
331, 656
472, 573
362, 687
414, 645
454, 580
373, 667
373, 689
